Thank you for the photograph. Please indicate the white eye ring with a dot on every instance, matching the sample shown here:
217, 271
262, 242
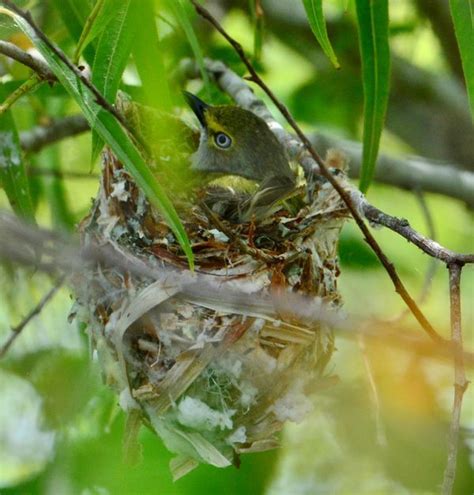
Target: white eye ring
222, 140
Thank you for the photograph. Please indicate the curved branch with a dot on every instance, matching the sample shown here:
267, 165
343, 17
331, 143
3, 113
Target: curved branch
319, 167
236, 87
35, 63
16, 331
41, 136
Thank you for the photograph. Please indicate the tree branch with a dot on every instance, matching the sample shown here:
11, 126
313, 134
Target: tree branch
428, 111
320, 167
239, 90
15, 331
35, 63
460, 382
40, 136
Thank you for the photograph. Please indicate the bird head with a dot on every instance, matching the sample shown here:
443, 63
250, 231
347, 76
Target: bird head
235, 141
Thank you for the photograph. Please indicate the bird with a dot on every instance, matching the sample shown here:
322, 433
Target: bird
235, 141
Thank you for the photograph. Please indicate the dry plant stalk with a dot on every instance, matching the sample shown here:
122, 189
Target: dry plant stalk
211, 379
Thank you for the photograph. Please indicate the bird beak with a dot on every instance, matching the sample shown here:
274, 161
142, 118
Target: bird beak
197, 106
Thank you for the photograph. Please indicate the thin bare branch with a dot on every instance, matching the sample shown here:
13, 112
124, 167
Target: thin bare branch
38, 65
41, 136
28, 86
460, 381
16, 331
319, 167
402, 227
238, 89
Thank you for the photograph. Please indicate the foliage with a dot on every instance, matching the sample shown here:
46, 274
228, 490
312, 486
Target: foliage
132, 49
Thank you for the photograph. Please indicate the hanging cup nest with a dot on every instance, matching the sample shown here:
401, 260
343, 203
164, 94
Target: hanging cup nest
215, 370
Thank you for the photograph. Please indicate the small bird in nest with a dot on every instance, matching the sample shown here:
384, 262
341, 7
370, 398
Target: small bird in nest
236, 142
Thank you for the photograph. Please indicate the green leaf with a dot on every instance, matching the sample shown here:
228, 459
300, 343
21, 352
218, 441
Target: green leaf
372, 19
314, 11
61, 215
149, 59
256, 13
184, 15
13, 176
96, 22
74, 14
109, 129
112, 54
462, 12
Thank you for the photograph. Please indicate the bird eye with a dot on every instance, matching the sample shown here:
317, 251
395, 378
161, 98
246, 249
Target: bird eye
222, 140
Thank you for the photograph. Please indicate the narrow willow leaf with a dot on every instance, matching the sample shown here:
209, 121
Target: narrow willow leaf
149, 60
112, 54
184, 16
74, 14
96, 22
13, 176
114, 135
462, 12
257, 14
314, 11
372, 19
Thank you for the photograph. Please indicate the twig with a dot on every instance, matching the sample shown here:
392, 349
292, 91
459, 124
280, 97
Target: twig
323, 170
460, 382
40, 136
433, 262
35, 63
431, 230
402, 227
236, 87
374, 395
16, 331
29, 85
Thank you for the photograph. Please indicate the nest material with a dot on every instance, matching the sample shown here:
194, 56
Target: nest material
211, 378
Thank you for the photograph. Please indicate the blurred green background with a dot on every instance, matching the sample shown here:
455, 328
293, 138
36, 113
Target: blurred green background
61, 429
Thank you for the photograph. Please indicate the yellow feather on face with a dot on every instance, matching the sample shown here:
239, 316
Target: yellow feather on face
214, 127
